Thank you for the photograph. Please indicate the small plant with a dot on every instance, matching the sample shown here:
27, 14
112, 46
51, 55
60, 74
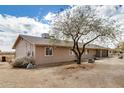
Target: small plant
91, 60
120, 57
22, 62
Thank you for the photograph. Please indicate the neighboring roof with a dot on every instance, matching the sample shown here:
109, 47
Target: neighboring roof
7, 53
41, 41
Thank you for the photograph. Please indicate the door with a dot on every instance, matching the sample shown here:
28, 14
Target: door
105, 53
97, 53
3, 59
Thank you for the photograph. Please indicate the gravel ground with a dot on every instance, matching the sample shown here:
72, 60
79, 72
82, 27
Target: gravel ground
105, 73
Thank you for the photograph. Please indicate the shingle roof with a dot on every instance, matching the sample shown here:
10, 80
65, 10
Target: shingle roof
41, 41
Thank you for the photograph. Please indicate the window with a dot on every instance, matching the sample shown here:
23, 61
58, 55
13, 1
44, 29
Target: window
28, 53
110, 52
32, 53
86, 51
48, 51
71, 52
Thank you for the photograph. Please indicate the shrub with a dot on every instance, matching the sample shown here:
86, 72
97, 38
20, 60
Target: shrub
91, 60
22, 62
120, 57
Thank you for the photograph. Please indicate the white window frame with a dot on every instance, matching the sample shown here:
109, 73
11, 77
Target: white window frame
45, 51
86, 51
71, 53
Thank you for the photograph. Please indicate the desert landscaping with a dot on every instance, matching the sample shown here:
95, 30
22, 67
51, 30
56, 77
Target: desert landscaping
104, 73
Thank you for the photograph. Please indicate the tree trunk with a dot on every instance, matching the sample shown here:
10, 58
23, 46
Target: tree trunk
79, 59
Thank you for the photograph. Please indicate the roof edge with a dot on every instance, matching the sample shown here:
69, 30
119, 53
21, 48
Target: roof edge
13, 47
18, 37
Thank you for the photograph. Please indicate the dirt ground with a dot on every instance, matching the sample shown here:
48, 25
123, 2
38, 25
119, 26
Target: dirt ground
105, 73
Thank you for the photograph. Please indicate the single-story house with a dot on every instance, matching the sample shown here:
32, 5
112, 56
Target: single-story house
45, 50
7, 56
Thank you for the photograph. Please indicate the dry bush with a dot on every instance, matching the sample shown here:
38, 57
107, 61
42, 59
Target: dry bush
81, 66
22, 62
73, 68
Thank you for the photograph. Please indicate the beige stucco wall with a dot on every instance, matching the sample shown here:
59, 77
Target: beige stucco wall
90, 54
23, 47
60, 54
110, 53
9, 57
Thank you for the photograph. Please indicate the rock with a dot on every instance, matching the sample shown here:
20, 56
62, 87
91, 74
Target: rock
30, 66
91, 60
120, 57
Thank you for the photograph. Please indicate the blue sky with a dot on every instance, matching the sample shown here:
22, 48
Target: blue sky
33, 20
30, 10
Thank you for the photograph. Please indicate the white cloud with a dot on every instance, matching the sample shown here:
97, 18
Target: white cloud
106, 10
114, 12
11, 26
49, 16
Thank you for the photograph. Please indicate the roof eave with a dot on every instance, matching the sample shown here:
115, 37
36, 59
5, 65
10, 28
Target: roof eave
67, 46
13, 47
19, 36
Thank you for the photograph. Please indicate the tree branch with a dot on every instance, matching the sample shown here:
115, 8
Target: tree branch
92, 40
88, 43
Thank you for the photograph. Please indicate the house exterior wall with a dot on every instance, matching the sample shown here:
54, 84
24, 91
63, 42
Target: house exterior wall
34, 47
60, 54
104, 53
89, 53
8, 57
110, 53
24, 48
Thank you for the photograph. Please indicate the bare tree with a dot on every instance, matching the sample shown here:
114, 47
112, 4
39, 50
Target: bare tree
81, 24
120, 47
